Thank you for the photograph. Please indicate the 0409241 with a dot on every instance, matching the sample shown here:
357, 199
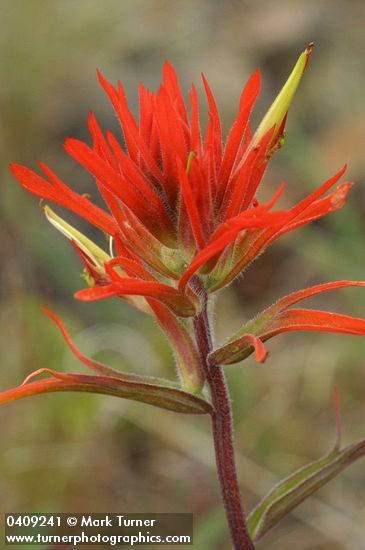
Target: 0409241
24, 520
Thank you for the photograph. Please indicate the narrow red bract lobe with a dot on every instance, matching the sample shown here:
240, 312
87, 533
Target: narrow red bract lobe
178, 202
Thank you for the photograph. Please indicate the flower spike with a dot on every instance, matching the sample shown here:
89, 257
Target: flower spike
180, 204
183, 207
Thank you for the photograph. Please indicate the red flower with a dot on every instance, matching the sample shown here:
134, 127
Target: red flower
178, 202
182, 212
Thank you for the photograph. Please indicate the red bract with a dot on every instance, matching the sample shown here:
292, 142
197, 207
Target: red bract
278, 318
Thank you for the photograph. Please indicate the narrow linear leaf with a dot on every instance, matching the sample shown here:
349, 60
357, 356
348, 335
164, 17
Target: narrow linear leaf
161, 396
300, 485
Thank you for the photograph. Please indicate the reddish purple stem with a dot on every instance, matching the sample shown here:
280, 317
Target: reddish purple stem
222, 433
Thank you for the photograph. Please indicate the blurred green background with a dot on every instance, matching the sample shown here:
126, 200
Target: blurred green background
87, 453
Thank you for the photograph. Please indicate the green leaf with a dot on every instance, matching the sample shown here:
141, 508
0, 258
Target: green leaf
159, 395
293, 490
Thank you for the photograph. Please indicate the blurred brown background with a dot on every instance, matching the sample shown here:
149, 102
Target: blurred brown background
88, 453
